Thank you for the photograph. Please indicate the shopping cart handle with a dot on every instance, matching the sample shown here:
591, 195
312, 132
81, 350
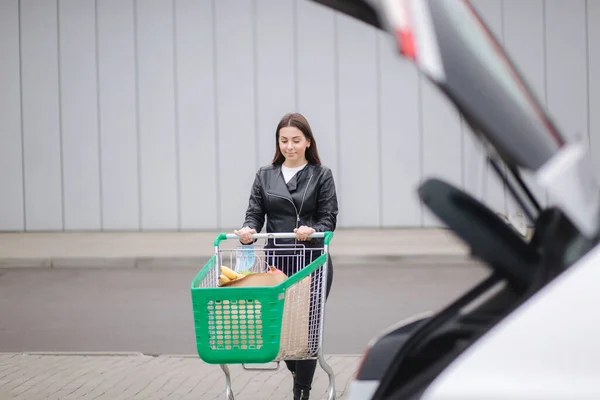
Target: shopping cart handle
283, 235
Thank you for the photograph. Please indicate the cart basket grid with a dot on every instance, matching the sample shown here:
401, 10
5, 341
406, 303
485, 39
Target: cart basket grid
243, 325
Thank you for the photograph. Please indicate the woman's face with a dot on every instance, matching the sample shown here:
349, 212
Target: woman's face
293, 144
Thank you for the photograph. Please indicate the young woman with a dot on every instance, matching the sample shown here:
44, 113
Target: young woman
296, 194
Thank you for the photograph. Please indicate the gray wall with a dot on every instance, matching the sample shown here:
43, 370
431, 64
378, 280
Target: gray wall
155, 114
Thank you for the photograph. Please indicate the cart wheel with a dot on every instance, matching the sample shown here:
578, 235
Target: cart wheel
228, 390
327, 368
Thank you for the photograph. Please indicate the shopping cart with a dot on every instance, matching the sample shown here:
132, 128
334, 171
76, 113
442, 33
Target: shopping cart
263, 324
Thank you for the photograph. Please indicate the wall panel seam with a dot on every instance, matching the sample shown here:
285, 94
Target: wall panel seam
216, 111
379, 127
99, 119
254, 16
587, 76
336, 66
295, 64
421, 139
176, 117
545, 59
137, 116
60, 119
23, 177
503, 165
463, 166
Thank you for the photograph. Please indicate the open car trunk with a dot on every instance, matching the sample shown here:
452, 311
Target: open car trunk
453, 48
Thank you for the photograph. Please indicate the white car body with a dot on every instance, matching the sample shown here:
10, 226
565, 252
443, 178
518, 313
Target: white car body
361, 390
549, 348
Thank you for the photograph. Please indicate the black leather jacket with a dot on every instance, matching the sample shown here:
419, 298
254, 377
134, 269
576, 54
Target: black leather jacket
309, 198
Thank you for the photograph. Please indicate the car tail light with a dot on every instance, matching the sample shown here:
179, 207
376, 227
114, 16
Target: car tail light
399, 18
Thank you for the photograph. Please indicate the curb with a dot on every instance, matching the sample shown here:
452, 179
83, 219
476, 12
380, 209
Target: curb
197, 262
76, 353
105, 262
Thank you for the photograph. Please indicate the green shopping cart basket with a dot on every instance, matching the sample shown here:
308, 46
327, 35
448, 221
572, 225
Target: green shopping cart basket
262, 324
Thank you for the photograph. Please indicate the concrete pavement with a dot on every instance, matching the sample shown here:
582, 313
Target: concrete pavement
134, 376
149, 310
147, 249
116, 375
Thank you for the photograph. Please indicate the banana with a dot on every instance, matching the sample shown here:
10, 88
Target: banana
223, 279
229, 273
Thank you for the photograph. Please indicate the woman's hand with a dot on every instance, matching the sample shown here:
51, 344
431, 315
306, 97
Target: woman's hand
303, 233
245, 234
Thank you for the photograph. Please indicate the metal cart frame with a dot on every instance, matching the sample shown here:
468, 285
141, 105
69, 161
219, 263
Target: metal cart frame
268, 313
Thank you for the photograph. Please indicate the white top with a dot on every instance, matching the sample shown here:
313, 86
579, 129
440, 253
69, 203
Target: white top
288, 173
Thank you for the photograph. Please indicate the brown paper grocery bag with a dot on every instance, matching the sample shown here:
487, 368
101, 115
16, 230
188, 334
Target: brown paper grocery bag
257, 279
296, 321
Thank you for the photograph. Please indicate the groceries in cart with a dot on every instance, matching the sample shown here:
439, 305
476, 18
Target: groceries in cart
229, 275
231, 278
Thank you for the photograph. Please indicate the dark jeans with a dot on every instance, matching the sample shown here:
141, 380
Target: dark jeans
304, 370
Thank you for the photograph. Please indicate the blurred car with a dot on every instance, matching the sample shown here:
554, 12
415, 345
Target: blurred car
524, 332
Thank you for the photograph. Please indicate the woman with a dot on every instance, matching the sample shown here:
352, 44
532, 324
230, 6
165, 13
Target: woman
296, 194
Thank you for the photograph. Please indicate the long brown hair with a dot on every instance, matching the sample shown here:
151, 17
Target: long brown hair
298, 121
